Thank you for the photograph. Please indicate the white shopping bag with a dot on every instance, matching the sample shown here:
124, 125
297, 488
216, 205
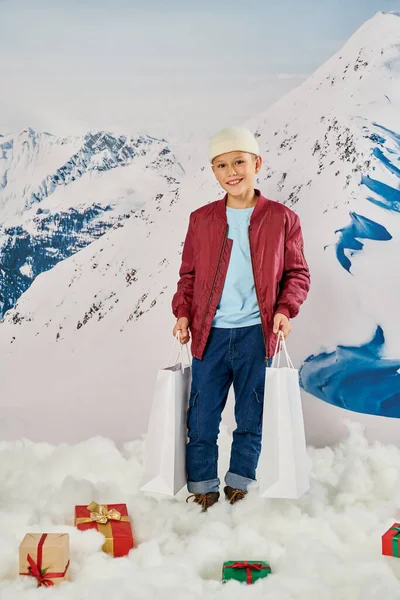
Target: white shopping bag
283, 468
165, 443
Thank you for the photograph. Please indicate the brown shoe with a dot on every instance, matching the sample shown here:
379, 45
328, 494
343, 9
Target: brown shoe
205, 500
233, 495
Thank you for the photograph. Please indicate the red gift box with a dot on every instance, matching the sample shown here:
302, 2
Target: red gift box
112, 521
391, 541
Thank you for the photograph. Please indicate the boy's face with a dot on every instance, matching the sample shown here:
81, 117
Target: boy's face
233, 167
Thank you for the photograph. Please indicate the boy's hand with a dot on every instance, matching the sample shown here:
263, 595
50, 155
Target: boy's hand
182, 324
281, 322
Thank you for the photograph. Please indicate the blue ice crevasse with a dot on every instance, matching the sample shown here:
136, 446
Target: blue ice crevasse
360, 227
356, 378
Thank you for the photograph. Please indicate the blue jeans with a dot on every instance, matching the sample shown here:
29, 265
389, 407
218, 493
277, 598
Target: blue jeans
235, 356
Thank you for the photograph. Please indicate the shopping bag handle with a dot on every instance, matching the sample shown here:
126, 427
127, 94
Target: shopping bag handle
277, 356
177, 336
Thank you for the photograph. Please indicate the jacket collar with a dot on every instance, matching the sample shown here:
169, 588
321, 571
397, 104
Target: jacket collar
259, 209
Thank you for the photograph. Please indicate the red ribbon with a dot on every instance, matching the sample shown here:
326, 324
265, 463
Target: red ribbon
35, 569
249, 567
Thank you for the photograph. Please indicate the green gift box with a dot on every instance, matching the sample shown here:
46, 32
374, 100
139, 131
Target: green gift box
246, 571
391, 541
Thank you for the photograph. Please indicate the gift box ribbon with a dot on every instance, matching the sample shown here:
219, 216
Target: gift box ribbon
100, 513
249, 567
35, 568
395, 541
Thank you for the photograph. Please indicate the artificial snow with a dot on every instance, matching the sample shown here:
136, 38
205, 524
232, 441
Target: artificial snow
325, 545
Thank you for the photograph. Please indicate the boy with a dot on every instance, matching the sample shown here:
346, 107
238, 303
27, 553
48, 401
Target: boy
243, 276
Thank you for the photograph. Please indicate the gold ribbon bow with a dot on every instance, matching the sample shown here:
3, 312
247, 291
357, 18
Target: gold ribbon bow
100, 513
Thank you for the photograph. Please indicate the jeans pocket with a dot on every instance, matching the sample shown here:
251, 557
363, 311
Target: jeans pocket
255, 412
192, 416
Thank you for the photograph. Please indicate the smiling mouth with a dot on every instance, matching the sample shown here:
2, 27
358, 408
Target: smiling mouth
235, 182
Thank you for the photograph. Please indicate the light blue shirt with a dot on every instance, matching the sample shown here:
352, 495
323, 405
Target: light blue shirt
238, 306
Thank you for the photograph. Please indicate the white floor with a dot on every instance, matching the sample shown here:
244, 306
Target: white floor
326, 546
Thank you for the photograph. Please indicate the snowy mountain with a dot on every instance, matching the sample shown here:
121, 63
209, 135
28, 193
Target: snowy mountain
332, 151
57, 195
89, 335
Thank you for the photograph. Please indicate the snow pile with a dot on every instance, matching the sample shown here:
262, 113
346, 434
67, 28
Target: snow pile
326, 545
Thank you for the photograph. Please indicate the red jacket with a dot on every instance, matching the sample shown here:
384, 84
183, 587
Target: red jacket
281, 274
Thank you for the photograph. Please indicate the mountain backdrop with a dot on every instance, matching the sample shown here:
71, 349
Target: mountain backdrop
91, 238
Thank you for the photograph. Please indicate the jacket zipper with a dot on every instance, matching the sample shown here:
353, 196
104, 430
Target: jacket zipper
213, 285
258, 299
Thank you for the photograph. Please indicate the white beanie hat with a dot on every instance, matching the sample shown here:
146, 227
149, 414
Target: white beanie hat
231, 139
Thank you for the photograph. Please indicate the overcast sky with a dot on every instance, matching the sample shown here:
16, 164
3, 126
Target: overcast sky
159, 66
